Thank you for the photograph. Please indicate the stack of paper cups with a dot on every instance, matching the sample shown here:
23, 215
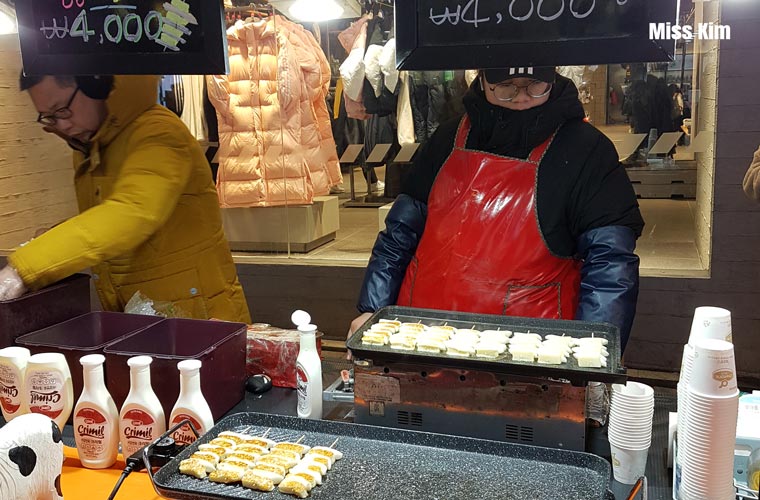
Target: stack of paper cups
708, 323
630, 430
706, 450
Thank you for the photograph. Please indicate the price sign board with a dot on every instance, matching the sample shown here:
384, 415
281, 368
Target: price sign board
470, 34
99, 37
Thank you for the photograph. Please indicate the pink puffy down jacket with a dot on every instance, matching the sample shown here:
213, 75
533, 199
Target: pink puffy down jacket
276, 145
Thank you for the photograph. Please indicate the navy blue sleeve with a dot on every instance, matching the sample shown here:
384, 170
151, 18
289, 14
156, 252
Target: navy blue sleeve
609, 278
393, 250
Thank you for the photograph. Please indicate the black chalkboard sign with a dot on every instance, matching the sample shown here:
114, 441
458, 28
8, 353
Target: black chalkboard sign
87, 37
462, 34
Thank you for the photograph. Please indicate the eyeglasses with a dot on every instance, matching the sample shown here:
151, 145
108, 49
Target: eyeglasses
63, 113
508, 91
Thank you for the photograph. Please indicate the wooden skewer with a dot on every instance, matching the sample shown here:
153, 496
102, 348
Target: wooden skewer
334, 443
266, 433
300, 439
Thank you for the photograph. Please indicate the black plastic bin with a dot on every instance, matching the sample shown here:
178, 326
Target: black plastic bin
36, 310
86, 334
219, 345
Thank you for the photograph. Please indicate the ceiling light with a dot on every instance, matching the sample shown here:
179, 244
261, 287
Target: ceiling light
315, 11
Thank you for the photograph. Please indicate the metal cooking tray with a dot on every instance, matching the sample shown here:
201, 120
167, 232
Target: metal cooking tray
382, 464
613, 373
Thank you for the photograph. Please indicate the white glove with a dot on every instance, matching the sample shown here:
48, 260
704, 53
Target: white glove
11, 284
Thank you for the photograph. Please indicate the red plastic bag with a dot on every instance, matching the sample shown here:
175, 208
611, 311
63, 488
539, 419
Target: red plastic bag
273, 351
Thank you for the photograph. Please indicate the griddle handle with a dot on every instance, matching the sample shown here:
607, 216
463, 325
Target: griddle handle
149, 448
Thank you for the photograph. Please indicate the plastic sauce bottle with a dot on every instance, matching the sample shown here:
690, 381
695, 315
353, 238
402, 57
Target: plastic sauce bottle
48, 387
309, 375
142, 418
191, 404
12, 372
96, 419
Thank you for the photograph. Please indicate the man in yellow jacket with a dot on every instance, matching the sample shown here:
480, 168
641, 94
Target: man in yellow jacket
149, 214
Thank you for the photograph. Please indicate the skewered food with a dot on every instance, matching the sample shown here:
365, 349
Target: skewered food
256, 481
299, 448
295, 485
195, 468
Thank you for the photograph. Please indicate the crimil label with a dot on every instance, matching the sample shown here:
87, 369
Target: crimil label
138, 429
90, 429
10, 395
302, 384
46, 393
184, 435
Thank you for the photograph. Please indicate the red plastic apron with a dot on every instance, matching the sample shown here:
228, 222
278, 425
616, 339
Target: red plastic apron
482, 250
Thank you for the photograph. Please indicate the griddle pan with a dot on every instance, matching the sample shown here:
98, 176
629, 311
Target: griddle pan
614, 373
389, 464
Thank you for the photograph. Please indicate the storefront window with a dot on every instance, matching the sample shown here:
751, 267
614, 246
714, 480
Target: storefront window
279, 167
651, 112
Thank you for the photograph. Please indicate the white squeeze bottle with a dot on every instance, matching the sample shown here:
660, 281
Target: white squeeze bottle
309, 374
142, 418
48, 387
96, 419
12, 372
191, 404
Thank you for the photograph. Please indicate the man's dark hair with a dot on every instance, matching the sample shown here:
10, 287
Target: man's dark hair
26, 82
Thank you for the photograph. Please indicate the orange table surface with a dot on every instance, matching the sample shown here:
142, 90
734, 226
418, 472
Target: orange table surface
80, 483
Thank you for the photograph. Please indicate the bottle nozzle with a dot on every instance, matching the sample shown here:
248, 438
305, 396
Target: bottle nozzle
92, 360
189, 365
139, 361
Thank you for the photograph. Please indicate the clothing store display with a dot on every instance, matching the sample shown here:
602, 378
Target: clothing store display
388, 65
372, 71
354, 41
274, 97
404, 114
574, 73
649, 106
193, 114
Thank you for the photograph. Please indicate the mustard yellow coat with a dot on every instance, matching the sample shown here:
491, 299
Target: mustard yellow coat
149, 216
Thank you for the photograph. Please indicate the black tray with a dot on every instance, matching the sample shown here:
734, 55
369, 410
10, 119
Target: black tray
613, 373
383, 464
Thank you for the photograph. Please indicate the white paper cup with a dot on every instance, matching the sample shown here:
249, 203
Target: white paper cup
628, 465
714, 372
687, 363
710, 323
632, 390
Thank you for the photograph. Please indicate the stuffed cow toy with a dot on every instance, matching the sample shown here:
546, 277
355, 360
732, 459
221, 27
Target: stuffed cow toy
31, 459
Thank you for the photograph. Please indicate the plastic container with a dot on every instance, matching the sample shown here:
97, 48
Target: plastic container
36, 310
309, 375
273, 352
12, 374
86, 334
96, 419
47, 387
142, 419
191, 404
219, 345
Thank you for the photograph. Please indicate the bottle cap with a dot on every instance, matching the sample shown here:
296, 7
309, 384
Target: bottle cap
15, 352
139, 361
92, 360
300, 318
47, 357
189, 364
307, 328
